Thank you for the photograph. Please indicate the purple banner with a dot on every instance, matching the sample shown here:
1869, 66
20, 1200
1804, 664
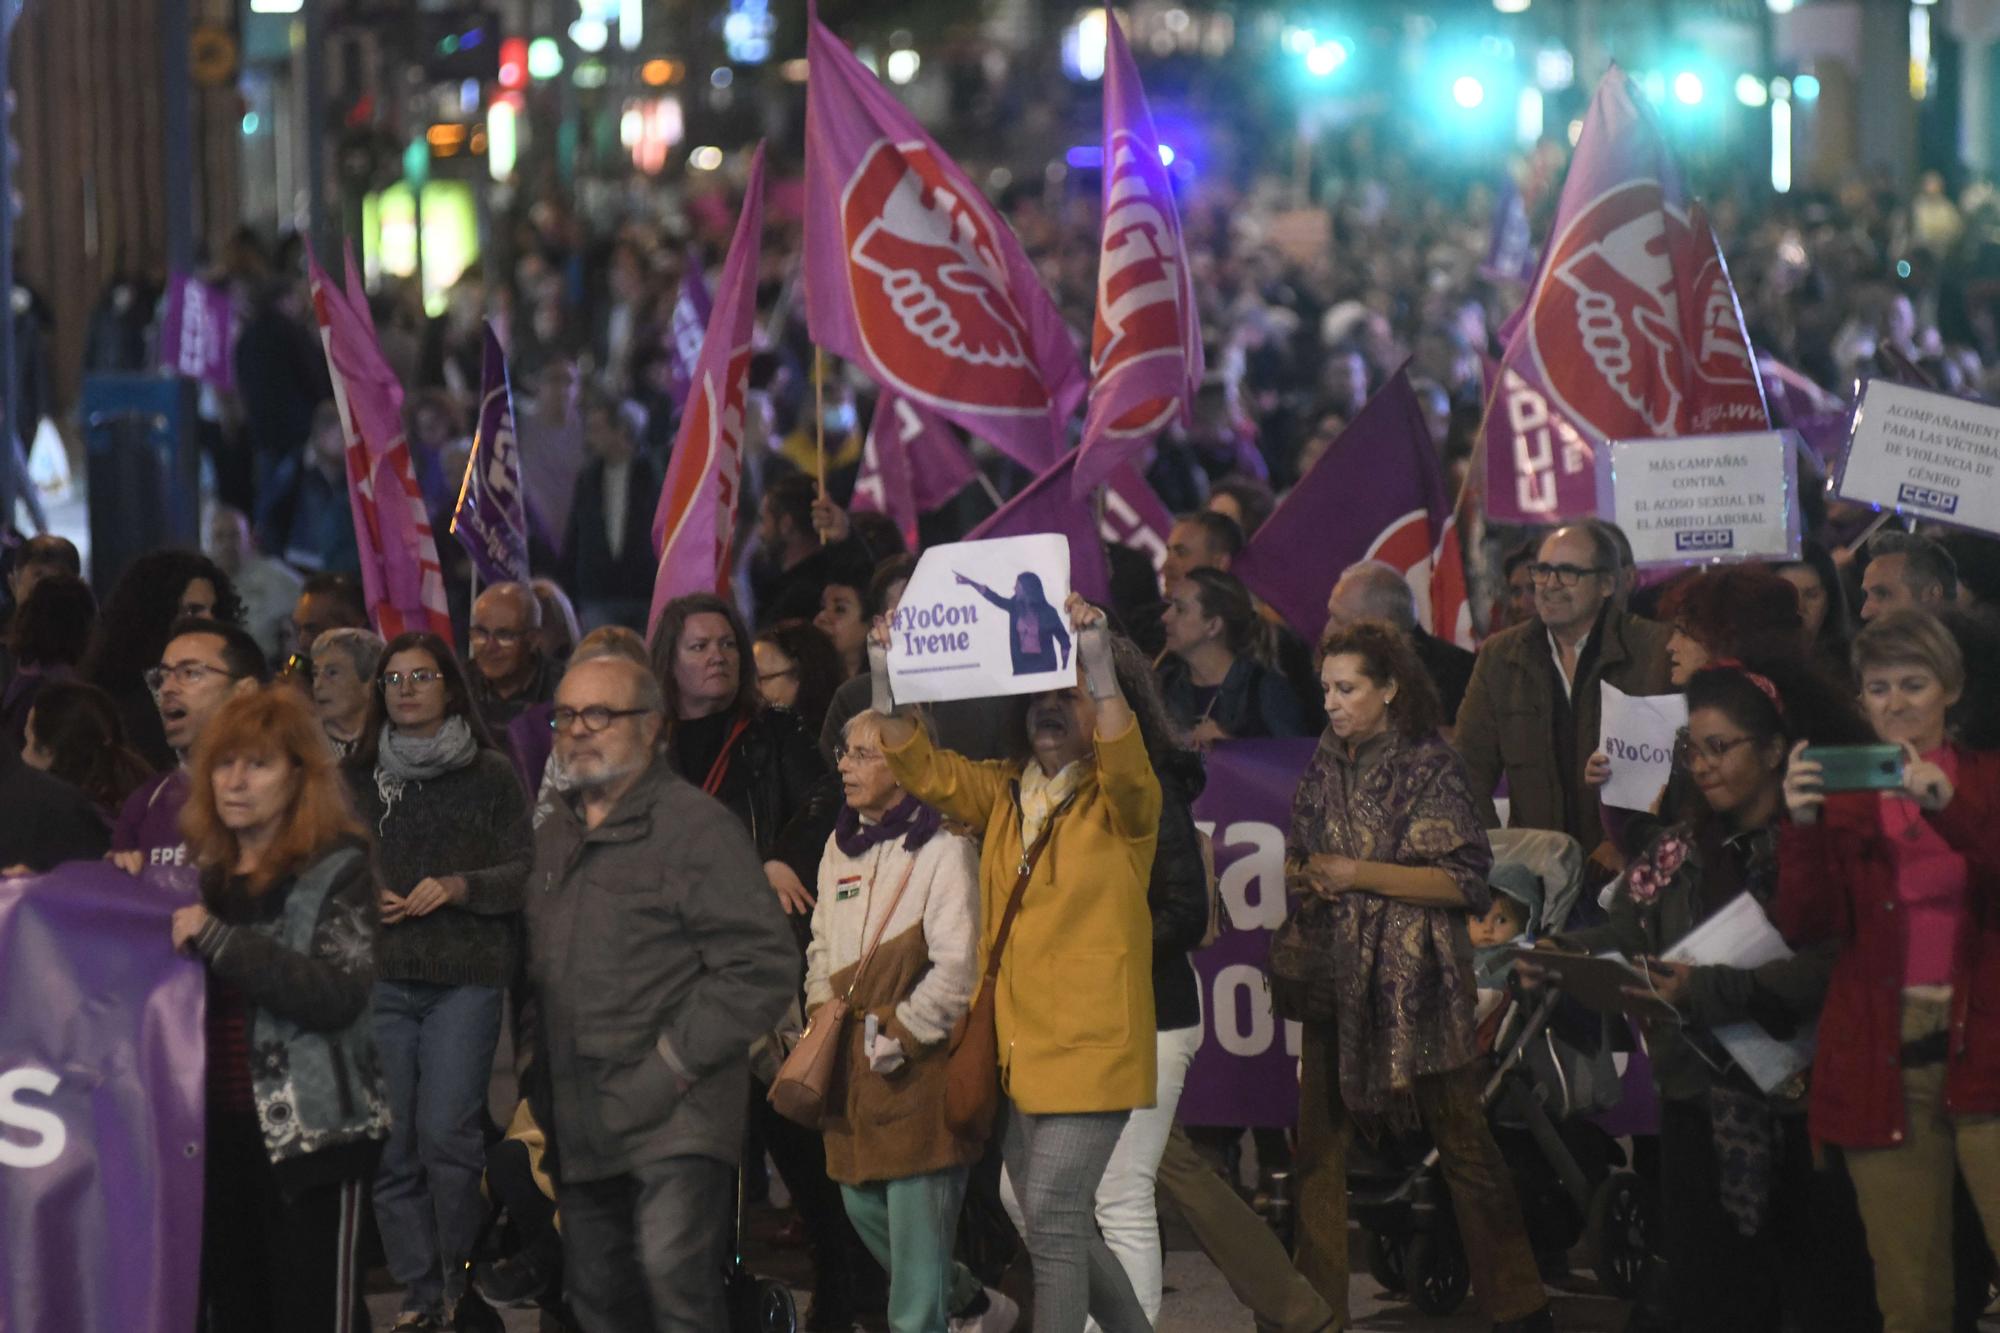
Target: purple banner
1247, 1070
196, 328
693, 304
101, 1094
491, 520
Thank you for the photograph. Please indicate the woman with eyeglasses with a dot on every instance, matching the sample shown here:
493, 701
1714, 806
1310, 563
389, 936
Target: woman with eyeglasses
339, 673
797, 668
1754, 1235
1904, 883
452, 851
287, 929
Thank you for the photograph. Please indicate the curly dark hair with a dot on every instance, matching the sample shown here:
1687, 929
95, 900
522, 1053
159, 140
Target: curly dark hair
140, 612
1387, 658
78, 725
457, 696
53, 626
817, 663
1736, 611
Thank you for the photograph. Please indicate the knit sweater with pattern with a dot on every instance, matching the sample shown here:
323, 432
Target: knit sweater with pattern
472, 821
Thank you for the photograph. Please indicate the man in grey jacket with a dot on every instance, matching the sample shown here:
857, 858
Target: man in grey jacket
657, 954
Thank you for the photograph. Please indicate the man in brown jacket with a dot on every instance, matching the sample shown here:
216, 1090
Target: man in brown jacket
1532, 710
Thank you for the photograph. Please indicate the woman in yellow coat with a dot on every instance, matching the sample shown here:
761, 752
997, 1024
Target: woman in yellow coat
1073, 1003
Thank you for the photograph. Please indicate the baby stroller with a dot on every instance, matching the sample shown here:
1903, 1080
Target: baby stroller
1551, 1072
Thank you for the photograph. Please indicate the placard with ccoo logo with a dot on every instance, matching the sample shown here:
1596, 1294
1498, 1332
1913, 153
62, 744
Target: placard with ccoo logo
1697, 499
1925, 453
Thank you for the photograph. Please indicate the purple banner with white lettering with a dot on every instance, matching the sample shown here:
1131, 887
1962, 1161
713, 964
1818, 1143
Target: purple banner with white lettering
1247, 1070
491, 520
196, 325
101, 1093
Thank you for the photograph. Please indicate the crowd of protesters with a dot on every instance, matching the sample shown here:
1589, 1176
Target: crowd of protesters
652, 859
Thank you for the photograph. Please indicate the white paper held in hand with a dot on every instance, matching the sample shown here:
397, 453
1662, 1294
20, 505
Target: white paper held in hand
984, 618
1637, 735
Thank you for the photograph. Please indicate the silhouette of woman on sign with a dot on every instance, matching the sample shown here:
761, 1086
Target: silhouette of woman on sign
1034, 627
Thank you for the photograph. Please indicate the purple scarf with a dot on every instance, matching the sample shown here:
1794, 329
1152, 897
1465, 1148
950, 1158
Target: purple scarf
910, 819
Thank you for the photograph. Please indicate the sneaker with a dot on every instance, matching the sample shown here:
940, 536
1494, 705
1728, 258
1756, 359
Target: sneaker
993, 1312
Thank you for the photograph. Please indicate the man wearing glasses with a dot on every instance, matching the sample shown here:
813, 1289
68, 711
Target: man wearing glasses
657, 954
509, 673
205, 662
1532, 710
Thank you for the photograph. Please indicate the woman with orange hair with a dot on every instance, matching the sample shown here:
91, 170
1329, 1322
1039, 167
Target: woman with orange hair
286, 926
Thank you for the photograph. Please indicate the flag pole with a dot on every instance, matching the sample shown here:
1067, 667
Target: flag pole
819, 422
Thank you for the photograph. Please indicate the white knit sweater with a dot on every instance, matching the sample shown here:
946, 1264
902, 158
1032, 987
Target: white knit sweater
943, 895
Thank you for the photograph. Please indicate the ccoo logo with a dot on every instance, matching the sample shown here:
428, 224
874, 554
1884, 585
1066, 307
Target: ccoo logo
930, 287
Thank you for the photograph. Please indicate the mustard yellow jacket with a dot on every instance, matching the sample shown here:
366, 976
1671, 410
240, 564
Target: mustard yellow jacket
1074, 1001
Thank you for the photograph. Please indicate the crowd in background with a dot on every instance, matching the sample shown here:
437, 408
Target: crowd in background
402, 848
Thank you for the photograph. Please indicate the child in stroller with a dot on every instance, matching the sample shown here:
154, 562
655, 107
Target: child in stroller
1551, 1069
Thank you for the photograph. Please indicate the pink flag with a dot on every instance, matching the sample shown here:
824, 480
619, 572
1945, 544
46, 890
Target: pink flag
912, 464
1134, 516
911, 273
1045, 505
1377, 493
400, 573
1793, 397
1632, 328
1145, 348
697, 513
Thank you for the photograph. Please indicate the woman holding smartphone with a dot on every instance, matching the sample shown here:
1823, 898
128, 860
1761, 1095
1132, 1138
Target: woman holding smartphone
1908, 880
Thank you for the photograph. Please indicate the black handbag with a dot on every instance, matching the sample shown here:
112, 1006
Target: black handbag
1301, 965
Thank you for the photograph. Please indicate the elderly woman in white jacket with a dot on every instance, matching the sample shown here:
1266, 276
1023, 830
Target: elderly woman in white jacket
891, 870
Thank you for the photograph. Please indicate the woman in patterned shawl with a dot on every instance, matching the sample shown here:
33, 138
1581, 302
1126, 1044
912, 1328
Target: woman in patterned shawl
1387, 859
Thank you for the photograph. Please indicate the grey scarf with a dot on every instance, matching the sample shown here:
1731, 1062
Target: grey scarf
402, 758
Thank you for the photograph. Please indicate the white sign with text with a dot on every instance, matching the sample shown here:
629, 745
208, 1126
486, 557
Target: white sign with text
1925, 453
1701, 498
984, 618
1637, 736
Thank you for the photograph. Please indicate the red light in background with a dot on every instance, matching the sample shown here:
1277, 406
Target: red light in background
514, 62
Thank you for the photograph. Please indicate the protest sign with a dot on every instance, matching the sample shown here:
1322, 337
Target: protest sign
1637, 736
1246, 1072
1926, 453
1705, 497
101, 1094
984, 618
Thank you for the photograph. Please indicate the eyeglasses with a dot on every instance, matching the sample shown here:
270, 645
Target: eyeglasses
421, 676
860, 754
186, 673
1687, 754
298, 664
595, 717
506, 638
1563, 576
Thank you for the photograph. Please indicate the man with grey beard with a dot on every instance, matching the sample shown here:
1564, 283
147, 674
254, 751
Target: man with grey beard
657, 955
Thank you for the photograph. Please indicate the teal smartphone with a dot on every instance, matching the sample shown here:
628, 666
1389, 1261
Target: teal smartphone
1858, 767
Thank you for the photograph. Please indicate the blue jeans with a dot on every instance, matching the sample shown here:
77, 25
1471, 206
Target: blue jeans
436, 1046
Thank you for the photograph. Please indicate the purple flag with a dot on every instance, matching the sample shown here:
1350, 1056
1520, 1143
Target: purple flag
1145, 346
1246, 1072
197, 325
693, 304
1510, 253
912, 464
1045, 505
1134, 516
101, 1106
1632, 328
400, 573
910, 273
491, 521
1377, 493
696, 516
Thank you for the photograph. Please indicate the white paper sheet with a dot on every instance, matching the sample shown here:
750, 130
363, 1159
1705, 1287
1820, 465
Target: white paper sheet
1637, 734
1741, 936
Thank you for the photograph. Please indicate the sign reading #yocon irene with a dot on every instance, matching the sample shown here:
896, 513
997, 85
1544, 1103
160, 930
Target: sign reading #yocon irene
984, 618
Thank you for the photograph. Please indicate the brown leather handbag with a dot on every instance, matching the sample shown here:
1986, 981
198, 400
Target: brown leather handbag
799, 1091
972, 1070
